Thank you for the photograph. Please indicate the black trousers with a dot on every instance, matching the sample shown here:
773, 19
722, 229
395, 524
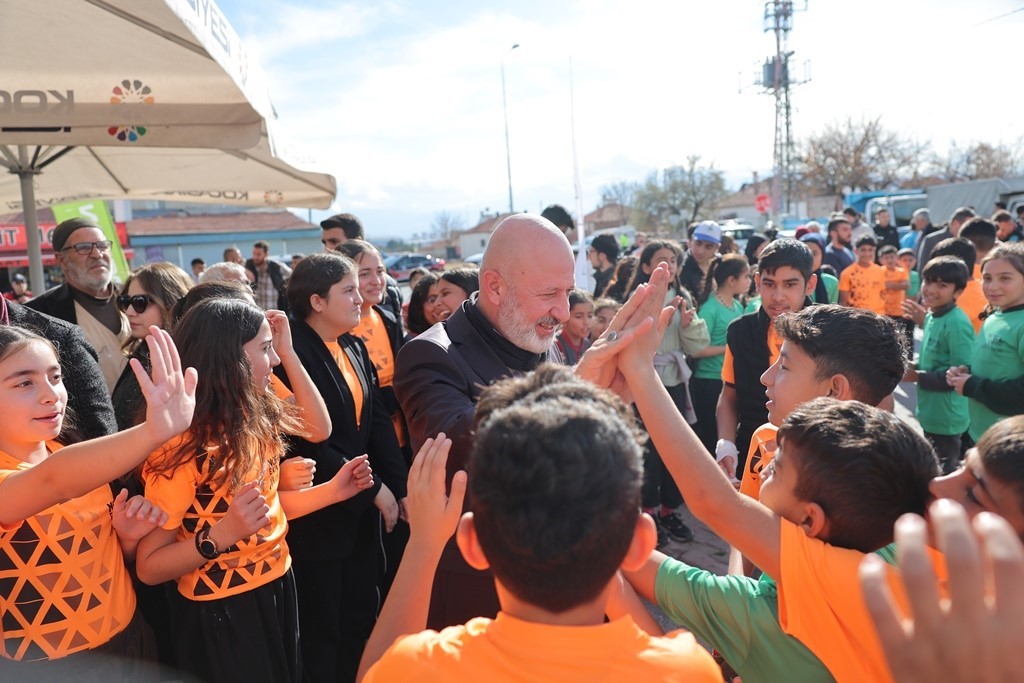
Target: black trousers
253, 636
704, 393
948, 448
658, 486
338, 604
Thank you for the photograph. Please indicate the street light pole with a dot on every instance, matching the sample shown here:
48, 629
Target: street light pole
504, 106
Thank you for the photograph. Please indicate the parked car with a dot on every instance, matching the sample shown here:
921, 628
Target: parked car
399, 265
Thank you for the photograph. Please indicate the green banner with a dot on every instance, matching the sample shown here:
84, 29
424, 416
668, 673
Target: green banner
96, 209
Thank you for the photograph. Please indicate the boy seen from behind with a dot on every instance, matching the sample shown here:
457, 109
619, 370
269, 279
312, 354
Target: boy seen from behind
554, 511
948, 342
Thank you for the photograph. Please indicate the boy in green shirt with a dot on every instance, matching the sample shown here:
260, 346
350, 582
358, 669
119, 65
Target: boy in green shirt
947, 342
908, 262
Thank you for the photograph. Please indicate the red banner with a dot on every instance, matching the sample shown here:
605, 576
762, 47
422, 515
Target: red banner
13, 237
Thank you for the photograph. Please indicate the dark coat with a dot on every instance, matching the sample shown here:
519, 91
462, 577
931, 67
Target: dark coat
439, 376
331, 532
87, 390
58, 302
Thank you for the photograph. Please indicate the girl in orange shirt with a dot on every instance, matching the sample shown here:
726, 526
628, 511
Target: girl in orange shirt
67, 608
234, 615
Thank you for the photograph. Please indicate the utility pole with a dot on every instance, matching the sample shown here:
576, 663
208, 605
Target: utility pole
776, 79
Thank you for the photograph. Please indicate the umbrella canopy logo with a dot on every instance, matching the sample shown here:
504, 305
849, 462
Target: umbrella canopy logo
130, 92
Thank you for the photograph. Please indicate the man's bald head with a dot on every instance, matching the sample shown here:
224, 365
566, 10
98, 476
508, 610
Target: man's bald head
518, 238
526, 275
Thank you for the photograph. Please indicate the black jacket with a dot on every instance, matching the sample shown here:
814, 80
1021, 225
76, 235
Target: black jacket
747, 338
57, 301
331, 533
87, 390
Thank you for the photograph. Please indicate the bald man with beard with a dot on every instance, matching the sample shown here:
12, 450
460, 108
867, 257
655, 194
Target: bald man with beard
507, 328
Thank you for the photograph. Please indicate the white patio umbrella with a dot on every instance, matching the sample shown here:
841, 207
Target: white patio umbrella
137, 99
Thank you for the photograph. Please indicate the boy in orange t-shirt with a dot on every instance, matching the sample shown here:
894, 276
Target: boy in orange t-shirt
863, 284
572, 451
842, 474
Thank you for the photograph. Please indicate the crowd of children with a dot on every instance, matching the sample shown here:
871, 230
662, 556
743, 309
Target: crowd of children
271, 494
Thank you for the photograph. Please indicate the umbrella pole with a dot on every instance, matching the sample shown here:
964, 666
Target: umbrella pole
26, 174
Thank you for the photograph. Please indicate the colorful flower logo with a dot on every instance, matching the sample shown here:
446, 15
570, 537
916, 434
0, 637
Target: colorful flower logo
130, 92
273, 198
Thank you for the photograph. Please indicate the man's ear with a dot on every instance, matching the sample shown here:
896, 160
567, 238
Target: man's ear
492, 286
469, 544
645, 539
812, 282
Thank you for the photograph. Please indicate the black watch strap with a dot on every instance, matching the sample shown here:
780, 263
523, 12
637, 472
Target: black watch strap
206, 546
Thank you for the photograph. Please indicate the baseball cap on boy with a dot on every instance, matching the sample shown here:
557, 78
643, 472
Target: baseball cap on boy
708, 231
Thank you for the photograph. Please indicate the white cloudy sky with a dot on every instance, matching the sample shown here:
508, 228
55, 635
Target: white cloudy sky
402, 100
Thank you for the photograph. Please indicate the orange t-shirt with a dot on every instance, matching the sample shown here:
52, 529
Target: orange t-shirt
63, 583
348, 371
865, 286
774, 342
821, 604
374, 334
762, 451
894, 297
192, 506
279, 388
972, 301
510, 649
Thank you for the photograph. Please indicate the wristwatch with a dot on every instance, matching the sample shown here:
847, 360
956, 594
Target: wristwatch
206, 546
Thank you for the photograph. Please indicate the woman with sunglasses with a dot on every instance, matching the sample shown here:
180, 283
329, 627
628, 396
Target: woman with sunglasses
147, 297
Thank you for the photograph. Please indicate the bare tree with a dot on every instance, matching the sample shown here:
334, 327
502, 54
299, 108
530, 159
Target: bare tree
445, 225
678, 195
978, 160
621, 192
853, 156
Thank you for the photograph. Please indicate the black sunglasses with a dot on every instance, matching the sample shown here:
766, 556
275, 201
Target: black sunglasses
140, 302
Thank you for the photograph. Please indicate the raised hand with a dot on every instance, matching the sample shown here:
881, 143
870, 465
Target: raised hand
644, 314
282, 332
135, 517
170, 394
973, 636
247, 514
914, 311
353, 477
433, 514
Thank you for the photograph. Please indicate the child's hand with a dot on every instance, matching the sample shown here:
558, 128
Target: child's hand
636, 317
388, 506
282, 332
296, 474
914, 311
970, 636
433, 515
353, 477
911, 374
247, 514
957, 377
134, 518
170, 394
685, 312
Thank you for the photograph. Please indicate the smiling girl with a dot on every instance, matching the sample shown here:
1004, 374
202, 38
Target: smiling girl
234, 615
68, 609
994, 383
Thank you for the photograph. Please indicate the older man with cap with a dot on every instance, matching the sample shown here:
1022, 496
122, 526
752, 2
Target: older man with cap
87, 297
507, 328
603, 254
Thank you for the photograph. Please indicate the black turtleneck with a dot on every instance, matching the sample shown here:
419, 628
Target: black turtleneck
515, 358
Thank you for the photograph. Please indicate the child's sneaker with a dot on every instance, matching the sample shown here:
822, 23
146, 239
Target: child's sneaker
676, 529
